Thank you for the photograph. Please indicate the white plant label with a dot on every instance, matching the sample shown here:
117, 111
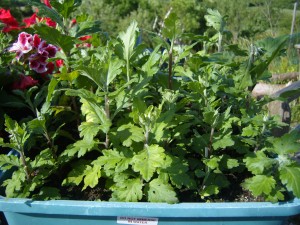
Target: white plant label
137, 220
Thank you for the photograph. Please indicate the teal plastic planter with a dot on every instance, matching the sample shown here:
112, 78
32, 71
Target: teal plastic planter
60, 212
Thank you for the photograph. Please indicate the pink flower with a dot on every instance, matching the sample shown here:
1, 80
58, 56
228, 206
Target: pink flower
38, 49
23, 45
50, 49
38, 62
24, 82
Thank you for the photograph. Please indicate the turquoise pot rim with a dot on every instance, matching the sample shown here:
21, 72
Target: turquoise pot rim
180, 210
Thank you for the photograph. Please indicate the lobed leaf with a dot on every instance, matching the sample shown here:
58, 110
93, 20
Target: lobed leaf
129, 190
161, 192
258, 162
128, 39
129, 133
290, 178
260, 184
148, 160
92, 175
286, 144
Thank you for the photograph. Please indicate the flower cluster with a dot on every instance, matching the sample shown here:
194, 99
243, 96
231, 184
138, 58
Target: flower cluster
24, 82
10, 22
34, 19
36, 50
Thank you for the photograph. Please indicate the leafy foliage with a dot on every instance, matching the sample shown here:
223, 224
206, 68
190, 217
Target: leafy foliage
143, 124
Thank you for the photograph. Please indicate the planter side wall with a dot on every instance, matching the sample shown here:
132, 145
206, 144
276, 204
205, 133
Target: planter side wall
46, 219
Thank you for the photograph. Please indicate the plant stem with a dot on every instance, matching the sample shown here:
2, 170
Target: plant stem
220, 42
170, 77
50, 144
212, 131
128, 73
107, 112
25, 165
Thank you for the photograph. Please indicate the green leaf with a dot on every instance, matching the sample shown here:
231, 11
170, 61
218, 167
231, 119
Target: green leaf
128, 133
214, 19
209, 191
223, 141
51, 87
65, 75
161, 192
250, 131
93, 74
91, 108
77, 173
286, 144
18, 134
95, 114
129, 190
213, 163
15, 184
171, 28
81, 147
55, 37
89, 130
47, 193
151, 67
92, 175
112, 160
148, 160
128, 39
258, 162
176, 168
44, 158
9, 161
290, 178
104, 74
260, 184
88, 27
114, 69
66, 7
232, 163
37, 126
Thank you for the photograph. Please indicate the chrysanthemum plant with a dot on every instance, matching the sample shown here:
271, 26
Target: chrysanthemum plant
166, 124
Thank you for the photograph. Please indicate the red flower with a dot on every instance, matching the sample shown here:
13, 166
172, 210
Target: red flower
59, 62
47, 3
34, 19
31, 20
24, 82
7, 18
73, 22
84, 38
10, 22
49, 22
